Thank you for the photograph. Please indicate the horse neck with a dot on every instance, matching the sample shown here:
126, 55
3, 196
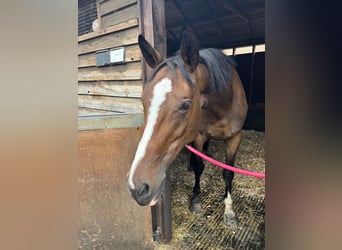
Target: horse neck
202, 77
218, 102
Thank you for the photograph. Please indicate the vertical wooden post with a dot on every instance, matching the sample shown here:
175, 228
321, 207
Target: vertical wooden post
152, 27
99, 17
251, 80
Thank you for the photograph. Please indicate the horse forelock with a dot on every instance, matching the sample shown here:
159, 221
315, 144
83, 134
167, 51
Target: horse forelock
172, 64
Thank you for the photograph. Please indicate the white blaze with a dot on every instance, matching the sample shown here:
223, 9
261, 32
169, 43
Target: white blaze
158, 97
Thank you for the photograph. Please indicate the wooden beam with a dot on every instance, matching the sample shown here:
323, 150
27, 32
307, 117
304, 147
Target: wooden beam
251, 80
98, 9
173, 35
152, 27
239, 43
187, 21
214, 19
233, 8
176, 23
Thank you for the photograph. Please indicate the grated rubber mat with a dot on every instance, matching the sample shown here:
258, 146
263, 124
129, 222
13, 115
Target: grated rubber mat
206, 229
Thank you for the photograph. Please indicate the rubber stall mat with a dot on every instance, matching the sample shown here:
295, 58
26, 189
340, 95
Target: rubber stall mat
206, 230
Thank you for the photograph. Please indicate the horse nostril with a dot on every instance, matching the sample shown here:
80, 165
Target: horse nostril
144, 189
142, 194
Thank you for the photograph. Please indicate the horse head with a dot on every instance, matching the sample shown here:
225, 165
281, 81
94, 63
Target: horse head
172, 116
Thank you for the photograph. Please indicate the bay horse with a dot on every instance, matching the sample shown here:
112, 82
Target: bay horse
192, 97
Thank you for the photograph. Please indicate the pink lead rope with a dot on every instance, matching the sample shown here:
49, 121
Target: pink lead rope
225, 166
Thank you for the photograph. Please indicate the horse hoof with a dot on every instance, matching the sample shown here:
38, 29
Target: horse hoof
230, 221
195, 204
195, 207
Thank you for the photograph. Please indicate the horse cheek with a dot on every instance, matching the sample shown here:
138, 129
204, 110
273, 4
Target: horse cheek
194, 124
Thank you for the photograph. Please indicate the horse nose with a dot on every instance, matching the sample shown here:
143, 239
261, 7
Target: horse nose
144, 189
142, 194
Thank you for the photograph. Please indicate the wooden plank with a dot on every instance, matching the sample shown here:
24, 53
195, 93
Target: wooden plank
121, 26
108, 216
120, 38
111, 88
92, 112
98, 10
159, 27
115, 104
91, 122
152, 26
132, 54
109, 6
123, 15
129, 71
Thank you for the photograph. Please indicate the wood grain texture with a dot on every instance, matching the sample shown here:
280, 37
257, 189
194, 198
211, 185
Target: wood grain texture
110, 6
108, 217
115, 39
129, 71
111, 29
90, 122
115, 104
152, 26
117, 17
111, 88
94, 112
114, 88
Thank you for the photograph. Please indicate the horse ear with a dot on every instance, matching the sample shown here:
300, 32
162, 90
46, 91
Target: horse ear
189, 51
151, 55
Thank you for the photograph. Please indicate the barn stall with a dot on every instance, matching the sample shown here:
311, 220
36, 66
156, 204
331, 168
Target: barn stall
111, 72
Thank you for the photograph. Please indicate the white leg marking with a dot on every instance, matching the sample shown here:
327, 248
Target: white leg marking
228, 205
159, 96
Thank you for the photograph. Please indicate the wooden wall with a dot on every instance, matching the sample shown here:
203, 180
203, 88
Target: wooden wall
116, 88
108, 216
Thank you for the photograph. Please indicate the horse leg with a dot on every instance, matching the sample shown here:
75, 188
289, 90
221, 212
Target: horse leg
232, 145
197, 165
193, 161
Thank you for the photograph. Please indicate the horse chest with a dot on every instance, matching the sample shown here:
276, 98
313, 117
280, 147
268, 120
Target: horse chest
218, 132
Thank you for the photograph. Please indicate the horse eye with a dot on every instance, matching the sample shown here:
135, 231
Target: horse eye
185, 105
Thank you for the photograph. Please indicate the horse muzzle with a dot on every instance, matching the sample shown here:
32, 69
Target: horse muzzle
144, 194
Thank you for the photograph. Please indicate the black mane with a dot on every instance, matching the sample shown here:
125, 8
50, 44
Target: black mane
218, 64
